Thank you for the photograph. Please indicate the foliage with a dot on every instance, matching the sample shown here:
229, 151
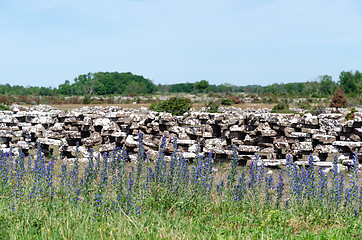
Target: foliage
87, 99
104, 83
281, 106
108, 198
350, 115
236, 99
339, 98
304, 105
174, 105
182, 87
212, 106
202, 86
226, 102
4, 107
351, 83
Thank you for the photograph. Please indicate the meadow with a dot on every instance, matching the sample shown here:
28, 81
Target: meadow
108, 197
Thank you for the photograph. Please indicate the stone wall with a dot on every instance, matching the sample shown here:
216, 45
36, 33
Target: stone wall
269, 135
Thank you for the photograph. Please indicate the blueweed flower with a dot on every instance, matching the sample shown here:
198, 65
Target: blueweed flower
63, 175
240, 188
98, 200
128, 204
340, 188
104, 174
140, 158
310, 180
260, 173
280, 187
322, 185
29, 166
220, 187
160, 167
233, 166
354, 177
88, 173
76, 162
148, 173
253, 175
97, 167
39, 174
268, 189
49, 178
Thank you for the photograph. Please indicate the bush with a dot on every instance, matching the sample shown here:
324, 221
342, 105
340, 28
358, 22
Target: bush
236, 99
4, 107
87, 100
212, 106
350, 115
174, 105
281, 107
304, 105
339, 98
226, 102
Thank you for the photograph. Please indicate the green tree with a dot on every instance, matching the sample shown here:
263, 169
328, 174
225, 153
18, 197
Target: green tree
327, 86
351, 82
202, 86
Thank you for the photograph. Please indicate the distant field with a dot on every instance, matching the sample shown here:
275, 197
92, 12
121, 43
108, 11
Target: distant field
197, 106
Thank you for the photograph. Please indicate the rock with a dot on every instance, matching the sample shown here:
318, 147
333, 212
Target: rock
130, 142
48, 141
324, 138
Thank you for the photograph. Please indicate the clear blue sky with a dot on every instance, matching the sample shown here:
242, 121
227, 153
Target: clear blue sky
45, 42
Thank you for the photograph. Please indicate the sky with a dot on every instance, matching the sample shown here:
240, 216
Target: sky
240, 42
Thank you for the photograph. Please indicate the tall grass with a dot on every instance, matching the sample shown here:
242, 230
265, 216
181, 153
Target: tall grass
110, 198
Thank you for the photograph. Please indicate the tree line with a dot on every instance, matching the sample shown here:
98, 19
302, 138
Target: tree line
114, 83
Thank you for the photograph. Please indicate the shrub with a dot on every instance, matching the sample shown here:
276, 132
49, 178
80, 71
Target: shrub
319, 109
236, 99
226, 102
350, 115
5, 100
304, 105
339, 98
4, 107
281, 107
212, 106
174, 105
87, 99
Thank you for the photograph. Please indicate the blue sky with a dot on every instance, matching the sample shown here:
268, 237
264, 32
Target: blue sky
242, 42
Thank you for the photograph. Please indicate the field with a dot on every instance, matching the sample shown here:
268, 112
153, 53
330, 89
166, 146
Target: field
197, 106
110, 198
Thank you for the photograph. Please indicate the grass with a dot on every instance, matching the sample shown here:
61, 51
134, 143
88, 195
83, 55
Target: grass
146, 199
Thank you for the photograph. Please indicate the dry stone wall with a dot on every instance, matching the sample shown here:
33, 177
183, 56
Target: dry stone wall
270, 135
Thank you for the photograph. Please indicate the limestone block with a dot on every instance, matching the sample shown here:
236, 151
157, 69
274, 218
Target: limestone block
324, 138
322, 148
107, 147
248, 148
49, 141
130, 142
349, 144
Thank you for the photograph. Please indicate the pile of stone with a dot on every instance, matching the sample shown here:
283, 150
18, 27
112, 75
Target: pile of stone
270, 135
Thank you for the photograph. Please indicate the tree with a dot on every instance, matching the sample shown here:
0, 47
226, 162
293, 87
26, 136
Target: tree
327, 86
202, 86
339, 98
351, 82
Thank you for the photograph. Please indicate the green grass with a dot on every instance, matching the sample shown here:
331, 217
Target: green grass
205, 220
161, 212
